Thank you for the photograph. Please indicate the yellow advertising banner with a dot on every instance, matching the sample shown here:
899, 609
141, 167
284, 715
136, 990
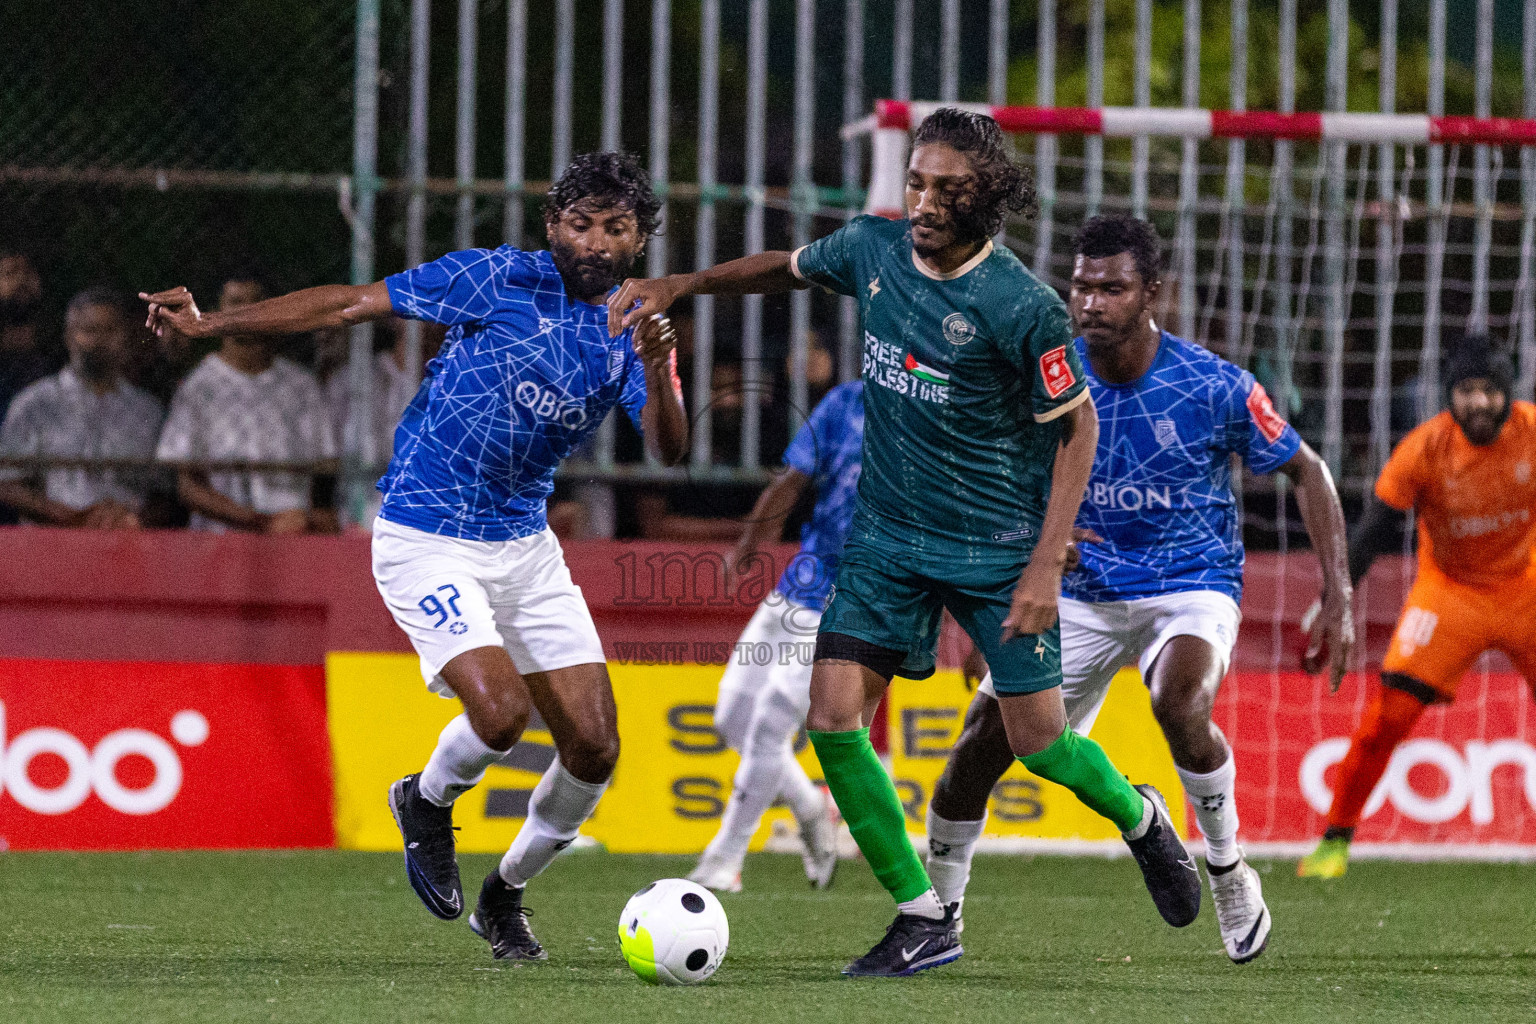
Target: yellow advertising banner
667, 795
674, 772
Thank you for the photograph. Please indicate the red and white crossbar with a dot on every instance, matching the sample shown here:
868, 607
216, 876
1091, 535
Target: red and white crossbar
1124, 122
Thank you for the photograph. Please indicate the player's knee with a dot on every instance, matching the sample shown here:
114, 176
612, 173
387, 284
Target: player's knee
1180, 706
826, 719
1029, 740
775, 719
836, 706
733, 730
591, 753
499, 719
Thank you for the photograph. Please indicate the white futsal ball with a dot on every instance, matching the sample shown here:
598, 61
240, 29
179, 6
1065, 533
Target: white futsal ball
673, 932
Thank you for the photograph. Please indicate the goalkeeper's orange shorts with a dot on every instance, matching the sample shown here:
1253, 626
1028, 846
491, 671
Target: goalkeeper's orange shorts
1445, 625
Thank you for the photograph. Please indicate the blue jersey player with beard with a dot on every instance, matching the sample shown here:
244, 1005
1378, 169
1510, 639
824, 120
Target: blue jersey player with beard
462, 554
1160, 540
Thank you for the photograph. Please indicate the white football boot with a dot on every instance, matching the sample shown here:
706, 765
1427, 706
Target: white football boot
819, 834
1240, 911
717, 876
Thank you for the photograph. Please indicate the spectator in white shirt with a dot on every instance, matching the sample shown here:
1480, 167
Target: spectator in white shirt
246, 403
85, 411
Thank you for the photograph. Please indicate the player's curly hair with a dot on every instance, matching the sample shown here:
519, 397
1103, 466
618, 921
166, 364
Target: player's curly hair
606, 180
1002, 186
1115, 233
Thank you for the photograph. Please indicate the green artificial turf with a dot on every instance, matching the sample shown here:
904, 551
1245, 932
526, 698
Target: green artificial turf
339, 937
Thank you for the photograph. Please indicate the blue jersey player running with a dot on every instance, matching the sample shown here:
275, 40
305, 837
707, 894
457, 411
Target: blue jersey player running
461, 551
1162, 564
762, 706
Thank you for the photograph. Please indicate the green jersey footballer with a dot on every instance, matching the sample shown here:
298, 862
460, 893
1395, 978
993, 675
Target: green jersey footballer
979, 440
967, 377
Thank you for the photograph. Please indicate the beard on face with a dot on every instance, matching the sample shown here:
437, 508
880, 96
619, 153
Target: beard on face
97, 364
961, 228
18, 310
932, 248
586, 277
1481, 427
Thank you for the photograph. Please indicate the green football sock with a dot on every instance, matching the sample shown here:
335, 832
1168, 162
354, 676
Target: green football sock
1081, 765
869, 805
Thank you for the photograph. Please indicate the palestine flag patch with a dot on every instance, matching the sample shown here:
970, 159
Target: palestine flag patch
922, 371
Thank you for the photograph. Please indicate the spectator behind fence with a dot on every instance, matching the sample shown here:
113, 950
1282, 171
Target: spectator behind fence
245, 403
22, 360
393, 388
87, 410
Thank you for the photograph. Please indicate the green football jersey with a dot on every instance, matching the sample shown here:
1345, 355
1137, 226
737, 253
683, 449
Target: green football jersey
965, 376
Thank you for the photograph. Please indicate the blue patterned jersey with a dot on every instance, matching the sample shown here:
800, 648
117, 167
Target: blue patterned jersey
827, 449
1161, 490
525, 375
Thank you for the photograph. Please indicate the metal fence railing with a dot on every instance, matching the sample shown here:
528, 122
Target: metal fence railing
372, 134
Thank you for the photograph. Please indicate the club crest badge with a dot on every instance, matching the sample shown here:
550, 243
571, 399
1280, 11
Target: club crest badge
958, 330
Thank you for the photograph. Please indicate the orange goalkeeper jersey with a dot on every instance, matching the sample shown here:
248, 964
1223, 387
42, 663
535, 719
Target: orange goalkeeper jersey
1476, 506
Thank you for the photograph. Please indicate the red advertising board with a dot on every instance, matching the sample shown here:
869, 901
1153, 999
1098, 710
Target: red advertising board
1466, 776
100, 755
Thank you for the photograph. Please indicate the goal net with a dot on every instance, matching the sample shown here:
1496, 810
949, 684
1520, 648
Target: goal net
1331, 255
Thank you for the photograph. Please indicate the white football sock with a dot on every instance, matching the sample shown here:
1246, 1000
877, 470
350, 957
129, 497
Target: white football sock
951, 845
805, 799
757, 782
927, 905
1214, 798
766, 765
457, 764
560, 803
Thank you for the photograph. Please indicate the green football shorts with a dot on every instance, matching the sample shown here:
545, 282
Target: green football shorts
881, 601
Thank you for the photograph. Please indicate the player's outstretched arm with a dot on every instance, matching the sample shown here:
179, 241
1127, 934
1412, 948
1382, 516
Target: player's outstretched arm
1035, 597
1332, 634
761, 274
309, 309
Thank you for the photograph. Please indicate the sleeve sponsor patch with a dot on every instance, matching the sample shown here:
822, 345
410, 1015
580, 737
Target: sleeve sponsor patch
1056, 372
1270, 423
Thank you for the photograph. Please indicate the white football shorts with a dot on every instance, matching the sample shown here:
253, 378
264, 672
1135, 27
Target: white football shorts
452, 595
770, 667
1100, 638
